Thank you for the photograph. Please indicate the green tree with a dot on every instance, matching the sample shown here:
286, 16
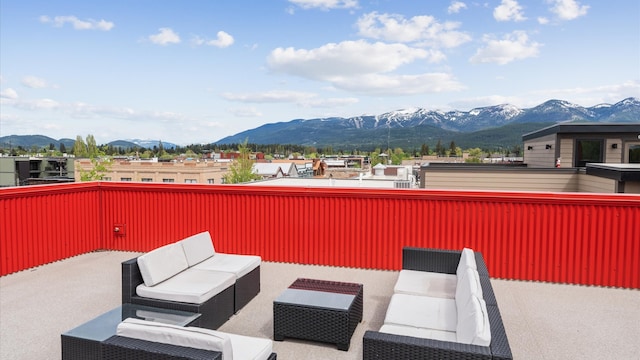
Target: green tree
241, 170
92, 147
475, 155
80, 148
97, 172
452, 148
424, 149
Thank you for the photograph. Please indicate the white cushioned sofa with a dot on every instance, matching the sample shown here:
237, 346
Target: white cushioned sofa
443, 307
137, 338
190, 275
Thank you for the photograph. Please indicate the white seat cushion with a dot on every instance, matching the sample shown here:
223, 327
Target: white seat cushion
419, 332
412, 282
473, 323
422, 312
250, 348
239, 265
192, 286
193, 337
162, 263
198, 247
467, 259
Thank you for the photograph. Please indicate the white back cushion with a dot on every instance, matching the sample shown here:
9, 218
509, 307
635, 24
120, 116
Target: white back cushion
473, 323
162, 263
192, 337
468, 285
198, 247
467, 259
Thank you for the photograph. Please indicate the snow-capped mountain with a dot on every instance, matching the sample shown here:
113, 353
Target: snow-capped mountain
553, 111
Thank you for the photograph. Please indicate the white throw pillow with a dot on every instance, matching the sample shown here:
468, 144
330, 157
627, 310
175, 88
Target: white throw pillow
198, 247
193, 337
162, 263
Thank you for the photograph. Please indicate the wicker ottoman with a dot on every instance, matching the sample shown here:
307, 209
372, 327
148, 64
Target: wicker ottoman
318, 310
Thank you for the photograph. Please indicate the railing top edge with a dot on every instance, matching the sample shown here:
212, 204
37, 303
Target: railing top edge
450, 195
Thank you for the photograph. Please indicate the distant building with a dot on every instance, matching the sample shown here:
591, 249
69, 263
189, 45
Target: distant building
575, 145
31, 170
197, 172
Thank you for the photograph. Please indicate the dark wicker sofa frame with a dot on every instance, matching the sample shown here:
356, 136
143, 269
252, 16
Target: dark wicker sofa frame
377, 345
215, 311
123, 348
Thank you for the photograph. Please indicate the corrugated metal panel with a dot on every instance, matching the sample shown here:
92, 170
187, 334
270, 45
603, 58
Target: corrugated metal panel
589, 239
46, 223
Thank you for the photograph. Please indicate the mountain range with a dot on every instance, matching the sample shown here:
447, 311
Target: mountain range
485, 127
491, 126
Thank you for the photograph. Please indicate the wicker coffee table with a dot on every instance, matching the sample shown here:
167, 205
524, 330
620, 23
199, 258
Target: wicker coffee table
318, 310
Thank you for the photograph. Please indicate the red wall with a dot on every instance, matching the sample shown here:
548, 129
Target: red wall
589, 239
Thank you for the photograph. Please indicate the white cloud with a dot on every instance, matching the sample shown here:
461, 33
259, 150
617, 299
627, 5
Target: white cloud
543, 20
325, 4
361, 66
304, 99
347, 58
568, 9
88, 24
392, 85
509, 10
275, 96
456, 6
423, 29
245, 112
34, 82
9, 94
165, 36
514, 46
223, 40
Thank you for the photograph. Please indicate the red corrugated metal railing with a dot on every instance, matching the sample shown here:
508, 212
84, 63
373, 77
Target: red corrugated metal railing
45, 223
589, 239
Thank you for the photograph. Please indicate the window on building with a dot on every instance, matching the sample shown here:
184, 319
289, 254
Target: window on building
190, 181
106, 178
211, 181
634, 154
125, 179
168, 180
147, 180
588, 151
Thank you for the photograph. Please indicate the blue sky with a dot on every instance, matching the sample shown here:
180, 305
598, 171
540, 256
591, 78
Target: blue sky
197, 71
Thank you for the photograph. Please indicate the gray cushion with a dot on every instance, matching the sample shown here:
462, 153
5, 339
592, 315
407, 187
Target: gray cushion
467, 259
239, 265
412, 282
192, 286
473, 323
422, 312
162, 263
198, 247
193, 337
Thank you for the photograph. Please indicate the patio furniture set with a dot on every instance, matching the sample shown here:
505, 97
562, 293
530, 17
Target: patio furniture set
176, 296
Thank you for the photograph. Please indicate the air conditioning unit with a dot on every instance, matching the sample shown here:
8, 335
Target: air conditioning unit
402, 184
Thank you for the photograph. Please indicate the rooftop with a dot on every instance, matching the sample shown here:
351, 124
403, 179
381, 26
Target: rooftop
542, 320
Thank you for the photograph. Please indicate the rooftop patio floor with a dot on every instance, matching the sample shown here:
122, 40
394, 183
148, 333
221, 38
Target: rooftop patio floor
542, 320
